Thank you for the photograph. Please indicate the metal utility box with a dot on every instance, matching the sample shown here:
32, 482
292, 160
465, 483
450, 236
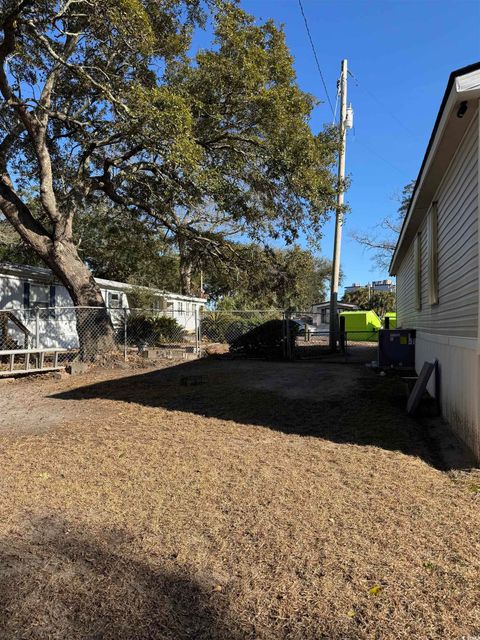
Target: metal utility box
396, 348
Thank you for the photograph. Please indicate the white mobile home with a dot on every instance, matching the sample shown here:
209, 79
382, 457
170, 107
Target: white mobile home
25, 289
321, 313
436, 257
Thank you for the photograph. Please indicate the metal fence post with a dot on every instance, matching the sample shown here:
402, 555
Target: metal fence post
198, 337
125, 336
37, 328
343, 338
288, 335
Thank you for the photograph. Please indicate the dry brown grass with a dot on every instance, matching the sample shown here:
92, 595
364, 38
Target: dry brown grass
254, 506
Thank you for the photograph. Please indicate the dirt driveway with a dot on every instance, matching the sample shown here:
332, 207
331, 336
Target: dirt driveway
230, 500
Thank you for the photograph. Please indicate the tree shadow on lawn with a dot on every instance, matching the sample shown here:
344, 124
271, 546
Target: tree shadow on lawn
60, 580
371, 411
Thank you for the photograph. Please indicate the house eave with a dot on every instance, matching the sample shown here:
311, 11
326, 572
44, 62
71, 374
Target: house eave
448, 131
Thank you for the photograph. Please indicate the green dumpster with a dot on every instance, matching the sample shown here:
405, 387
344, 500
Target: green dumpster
392, 320
361, 325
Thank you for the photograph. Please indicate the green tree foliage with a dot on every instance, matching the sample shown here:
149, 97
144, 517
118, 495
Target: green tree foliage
290, 278
255, 158
12, 249
379, 301
120, 247
113, 244
102, 100
383, 302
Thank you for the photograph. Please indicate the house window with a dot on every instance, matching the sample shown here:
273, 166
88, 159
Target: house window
433, 255
115, 300
156, 304
39, 296
418, 270
26, 295
180, 307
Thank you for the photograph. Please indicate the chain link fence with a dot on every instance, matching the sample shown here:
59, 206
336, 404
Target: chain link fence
313, 341
65, 334
360, 346
222, 330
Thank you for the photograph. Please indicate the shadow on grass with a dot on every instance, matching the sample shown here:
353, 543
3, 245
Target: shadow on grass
371, 412
62, 581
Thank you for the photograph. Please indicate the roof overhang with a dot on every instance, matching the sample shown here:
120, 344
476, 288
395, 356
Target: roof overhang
128, 288
448, 131
45, 276
25, 272
340, 305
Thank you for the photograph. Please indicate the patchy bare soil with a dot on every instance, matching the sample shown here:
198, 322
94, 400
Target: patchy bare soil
27, 405
230, 500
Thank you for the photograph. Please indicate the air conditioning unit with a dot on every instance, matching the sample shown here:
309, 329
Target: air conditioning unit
396, 348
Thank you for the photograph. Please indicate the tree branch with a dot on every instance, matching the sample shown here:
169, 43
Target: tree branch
78, 71
21, 218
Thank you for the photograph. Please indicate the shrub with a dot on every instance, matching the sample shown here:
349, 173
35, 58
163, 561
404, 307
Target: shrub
225, 327
144, 329
266, 340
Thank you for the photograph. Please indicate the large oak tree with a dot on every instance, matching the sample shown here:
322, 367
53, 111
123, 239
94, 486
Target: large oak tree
101, 99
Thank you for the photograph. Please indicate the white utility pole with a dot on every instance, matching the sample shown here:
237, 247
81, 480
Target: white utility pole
339, 215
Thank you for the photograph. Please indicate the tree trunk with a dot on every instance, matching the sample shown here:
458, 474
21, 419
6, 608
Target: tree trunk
58, 251
94, 326
185, 277
185, 268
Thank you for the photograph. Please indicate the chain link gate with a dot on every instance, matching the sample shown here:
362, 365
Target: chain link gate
313, 341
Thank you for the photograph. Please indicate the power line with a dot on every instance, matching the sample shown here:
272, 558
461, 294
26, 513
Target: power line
316, 57
384, 107
380, 157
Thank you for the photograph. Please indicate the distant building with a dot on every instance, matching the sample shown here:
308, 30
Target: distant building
377, 285
355, 287
384, 285
25, 289
321, 311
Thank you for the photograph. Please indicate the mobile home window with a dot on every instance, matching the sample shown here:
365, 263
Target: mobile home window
114, 300
418, 270
433, 255
26, 295
39, 296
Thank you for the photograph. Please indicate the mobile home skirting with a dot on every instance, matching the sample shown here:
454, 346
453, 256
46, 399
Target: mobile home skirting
459, 378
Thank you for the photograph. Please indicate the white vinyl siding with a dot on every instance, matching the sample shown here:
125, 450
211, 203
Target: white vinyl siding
433, 254
406, 312
456, 313
418, 250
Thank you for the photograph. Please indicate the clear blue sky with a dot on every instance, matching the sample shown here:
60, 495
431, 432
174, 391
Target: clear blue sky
402, 52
